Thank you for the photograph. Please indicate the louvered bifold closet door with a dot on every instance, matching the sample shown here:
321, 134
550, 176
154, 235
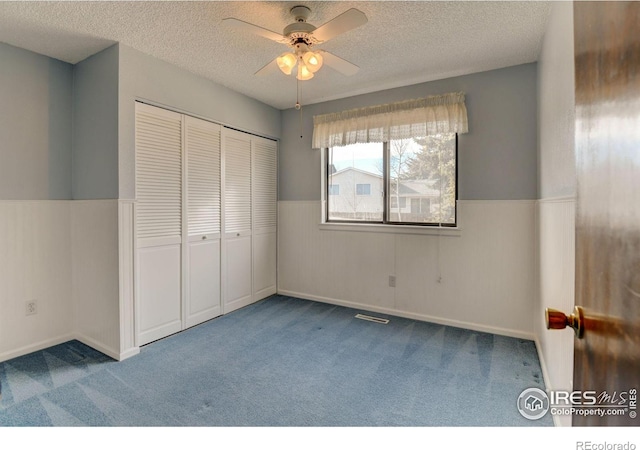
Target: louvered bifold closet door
237, 219
265, 197
202, 272
158, 147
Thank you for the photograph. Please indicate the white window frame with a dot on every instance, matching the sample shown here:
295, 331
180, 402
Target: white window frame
396, 228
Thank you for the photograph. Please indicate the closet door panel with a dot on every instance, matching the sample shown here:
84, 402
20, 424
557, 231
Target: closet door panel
237, 220
264, 265
203, 216
238, 286
202, 144
264, 184
237, 178
203, 281
158, 222
158, 173
265, 197
159, 292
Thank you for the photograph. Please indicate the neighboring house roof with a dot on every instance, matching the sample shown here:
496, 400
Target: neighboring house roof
421, 188
349, 169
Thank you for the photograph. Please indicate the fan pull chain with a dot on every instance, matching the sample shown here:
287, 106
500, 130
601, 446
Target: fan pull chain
300, 123
298, 106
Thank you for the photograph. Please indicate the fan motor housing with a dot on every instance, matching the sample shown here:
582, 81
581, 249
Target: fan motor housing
300, 13
300, 31
298, 27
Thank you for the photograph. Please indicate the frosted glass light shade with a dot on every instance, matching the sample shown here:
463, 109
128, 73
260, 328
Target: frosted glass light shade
286, 62
313, 61
304, 73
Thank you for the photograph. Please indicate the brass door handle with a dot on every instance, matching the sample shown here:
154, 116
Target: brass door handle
557, 320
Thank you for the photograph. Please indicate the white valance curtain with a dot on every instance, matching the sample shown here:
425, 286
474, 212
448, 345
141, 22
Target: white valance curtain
441, 114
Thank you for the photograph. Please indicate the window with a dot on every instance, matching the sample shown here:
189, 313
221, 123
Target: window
334, 189
397, 163
402, 181
363, 189
357, 169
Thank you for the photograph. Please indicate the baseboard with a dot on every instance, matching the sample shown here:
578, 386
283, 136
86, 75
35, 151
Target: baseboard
237, 304
117, 355
129, 353
42, 345
264, 293
35, 347
409, 315
546, 378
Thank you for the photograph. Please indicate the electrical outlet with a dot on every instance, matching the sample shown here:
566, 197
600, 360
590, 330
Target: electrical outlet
392, 281
31, 307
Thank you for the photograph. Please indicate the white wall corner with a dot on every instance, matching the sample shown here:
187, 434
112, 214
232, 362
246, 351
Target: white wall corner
95, 273
126, 253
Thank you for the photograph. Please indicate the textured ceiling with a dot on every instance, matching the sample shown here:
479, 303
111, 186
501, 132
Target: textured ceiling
403, 43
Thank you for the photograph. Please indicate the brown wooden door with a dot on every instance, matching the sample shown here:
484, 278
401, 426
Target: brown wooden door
607, 64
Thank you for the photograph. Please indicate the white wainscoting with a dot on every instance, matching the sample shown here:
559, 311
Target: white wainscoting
483, 278
126, 227
66, 255
96, 285
35, 264
556, 236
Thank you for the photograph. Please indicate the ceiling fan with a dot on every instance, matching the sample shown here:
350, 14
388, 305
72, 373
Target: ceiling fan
302, 37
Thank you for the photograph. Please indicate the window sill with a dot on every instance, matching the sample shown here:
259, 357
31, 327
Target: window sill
395, 229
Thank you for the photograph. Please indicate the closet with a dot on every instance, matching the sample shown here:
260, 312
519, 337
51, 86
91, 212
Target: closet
206, 208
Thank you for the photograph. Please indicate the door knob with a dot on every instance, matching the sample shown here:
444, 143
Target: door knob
557, 320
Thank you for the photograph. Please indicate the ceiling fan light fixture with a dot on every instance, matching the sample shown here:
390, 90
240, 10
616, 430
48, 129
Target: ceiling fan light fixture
286, 62
301, 37
313, 61
304, 73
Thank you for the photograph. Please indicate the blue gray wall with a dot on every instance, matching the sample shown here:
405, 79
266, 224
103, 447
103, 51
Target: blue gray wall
35, 126
95, 126
497, 158
146, 78
67, 132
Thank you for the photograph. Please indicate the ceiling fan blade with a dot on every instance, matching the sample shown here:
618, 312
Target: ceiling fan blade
346, 21
255, 29
268, 68
341, 65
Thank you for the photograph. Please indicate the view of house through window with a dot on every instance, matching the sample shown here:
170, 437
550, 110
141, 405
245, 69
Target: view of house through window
357, 170
408, 181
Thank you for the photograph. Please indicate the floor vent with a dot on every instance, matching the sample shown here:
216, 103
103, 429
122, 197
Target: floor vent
372, 319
